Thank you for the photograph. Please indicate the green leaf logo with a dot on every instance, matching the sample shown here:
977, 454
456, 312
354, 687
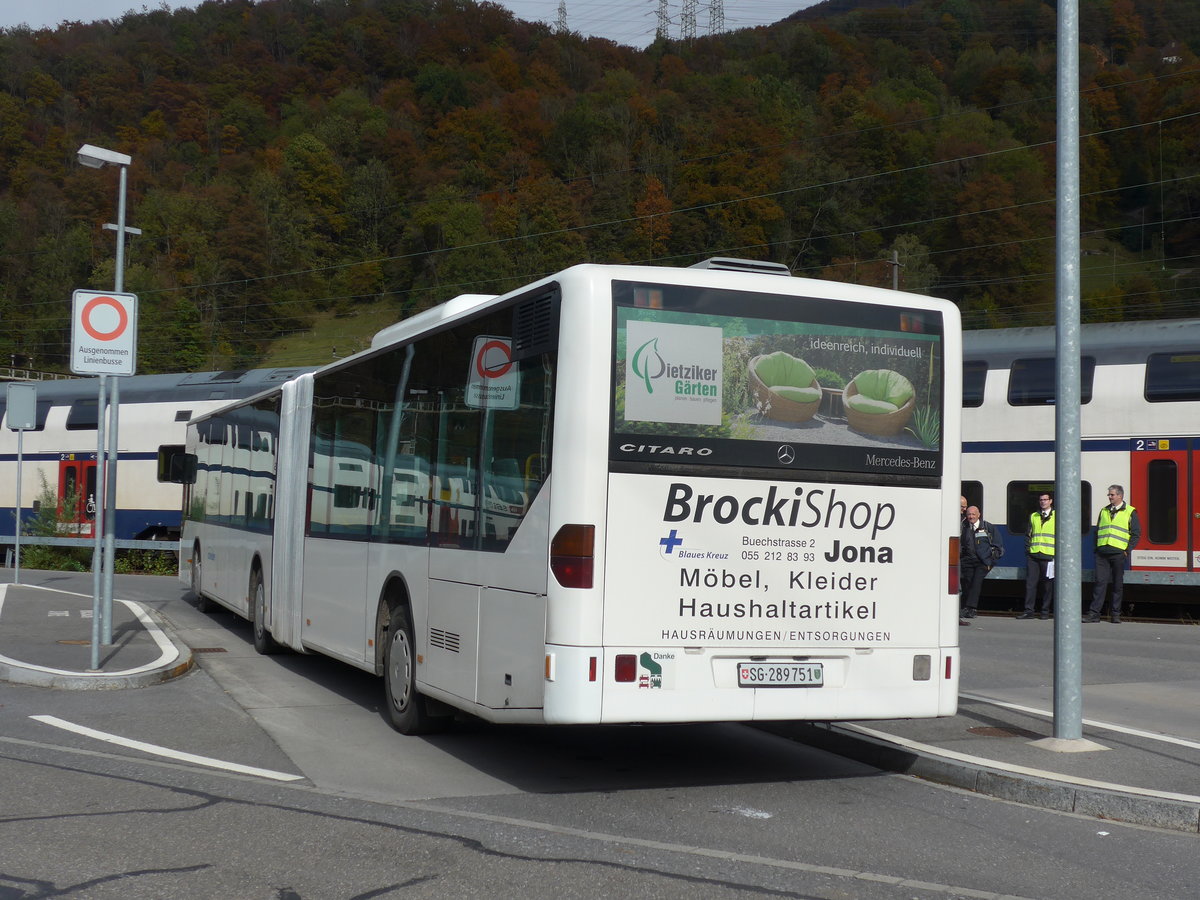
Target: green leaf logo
643, 358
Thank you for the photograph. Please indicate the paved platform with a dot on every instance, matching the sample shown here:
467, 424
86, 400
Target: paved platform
1010, 752
46, 640
1138, 760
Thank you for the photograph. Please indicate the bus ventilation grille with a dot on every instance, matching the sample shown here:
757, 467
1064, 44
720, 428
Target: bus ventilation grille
731, 264
446, 640
534, 327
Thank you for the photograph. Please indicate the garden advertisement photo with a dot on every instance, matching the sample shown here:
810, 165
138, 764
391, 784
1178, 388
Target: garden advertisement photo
775, 381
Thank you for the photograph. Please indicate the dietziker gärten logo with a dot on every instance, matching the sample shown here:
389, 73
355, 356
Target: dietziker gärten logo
642, 361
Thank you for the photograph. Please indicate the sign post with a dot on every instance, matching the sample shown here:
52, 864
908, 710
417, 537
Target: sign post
22, 414
115, 353
103, 342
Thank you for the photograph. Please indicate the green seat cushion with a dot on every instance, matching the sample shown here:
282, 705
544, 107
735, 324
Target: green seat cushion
796, 395
781, 368
862, 404
884, 384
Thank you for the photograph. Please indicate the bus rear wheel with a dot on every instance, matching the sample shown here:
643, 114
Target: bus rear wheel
263, 642
405, 705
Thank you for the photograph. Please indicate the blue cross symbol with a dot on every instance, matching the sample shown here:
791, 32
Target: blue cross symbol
671, 541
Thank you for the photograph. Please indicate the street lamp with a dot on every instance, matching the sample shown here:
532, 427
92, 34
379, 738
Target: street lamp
95, 158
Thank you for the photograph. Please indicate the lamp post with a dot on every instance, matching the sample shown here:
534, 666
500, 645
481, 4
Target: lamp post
106, 471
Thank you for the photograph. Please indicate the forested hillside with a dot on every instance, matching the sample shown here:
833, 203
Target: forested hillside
298, 164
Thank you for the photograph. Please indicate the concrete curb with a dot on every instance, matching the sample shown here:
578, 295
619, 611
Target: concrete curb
16, 672
82, 681
1129, 805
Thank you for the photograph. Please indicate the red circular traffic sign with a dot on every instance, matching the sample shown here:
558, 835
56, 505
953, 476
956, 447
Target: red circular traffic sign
85, 319
492, 371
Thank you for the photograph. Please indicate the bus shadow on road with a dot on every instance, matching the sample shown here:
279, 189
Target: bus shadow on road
547, 759
568, 759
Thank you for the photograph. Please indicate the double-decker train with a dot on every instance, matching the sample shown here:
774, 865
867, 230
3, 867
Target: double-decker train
1139, 428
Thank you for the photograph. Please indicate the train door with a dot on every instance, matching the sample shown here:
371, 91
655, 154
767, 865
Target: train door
1167, 498
77, 495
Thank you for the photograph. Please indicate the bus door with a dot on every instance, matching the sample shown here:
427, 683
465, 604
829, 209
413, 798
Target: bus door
77, 495
1162, 490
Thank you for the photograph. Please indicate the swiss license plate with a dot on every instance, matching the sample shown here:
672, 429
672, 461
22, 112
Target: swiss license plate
780, 674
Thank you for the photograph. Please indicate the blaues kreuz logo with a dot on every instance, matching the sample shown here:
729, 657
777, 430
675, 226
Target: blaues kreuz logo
667, 545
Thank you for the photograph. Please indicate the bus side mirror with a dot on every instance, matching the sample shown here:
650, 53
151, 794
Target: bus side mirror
176, 466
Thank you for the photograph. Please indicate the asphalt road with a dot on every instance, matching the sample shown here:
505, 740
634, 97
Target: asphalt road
714, 810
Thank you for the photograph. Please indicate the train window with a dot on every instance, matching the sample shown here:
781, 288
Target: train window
82, 416
1172, 377
973, 491
1021, 500
1162, 524
1033, 382
974, 377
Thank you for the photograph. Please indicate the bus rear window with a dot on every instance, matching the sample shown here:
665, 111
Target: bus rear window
730, 378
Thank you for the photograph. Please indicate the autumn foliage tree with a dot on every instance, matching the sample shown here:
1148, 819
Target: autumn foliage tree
297, 161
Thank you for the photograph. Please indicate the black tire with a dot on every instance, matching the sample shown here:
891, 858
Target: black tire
203, 604
263, 642
405, 706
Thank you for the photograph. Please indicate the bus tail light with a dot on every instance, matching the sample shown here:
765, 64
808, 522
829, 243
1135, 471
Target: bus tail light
625, 667
952, 574
571, 555
949, 667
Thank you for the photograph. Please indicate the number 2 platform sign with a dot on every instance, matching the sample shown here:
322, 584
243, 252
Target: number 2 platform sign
103, 333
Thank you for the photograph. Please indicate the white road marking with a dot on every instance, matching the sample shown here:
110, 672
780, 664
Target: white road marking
1107, 726
167, 752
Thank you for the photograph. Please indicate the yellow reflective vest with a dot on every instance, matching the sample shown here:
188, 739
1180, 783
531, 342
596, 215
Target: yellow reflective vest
1113, 528
1041, 535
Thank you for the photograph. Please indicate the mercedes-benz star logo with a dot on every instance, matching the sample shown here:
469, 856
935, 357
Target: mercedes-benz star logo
786, 454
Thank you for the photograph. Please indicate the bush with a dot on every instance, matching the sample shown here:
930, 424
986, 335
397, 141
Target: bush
48, 522
830, 378
146, 562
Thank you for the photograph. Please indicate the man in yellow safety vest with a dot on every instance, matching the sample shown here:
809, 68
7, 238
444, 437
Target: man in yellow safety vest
1039, 559
1117, 533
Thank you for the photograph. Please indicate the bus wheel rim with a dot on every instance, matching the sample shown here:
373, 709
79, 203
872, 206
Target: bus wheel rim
399, 672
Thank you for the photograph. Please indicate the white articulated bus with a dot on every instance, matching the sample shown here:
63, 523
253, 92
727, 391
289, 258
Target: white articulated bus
620, 494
